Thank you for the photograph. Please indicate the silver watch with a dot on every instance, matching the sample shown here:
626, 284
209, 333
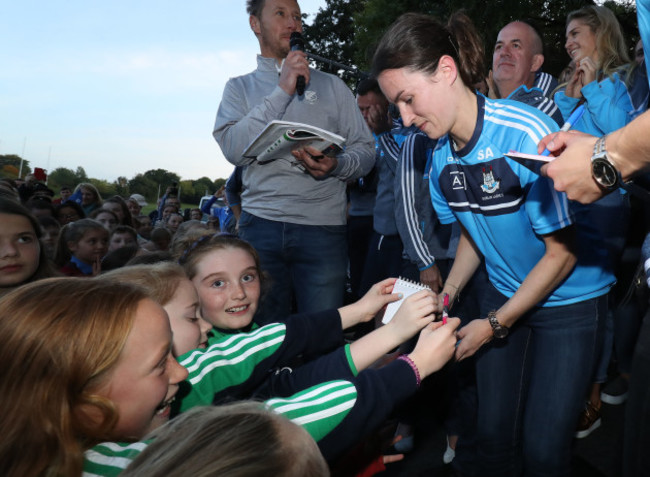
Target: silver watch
602, 169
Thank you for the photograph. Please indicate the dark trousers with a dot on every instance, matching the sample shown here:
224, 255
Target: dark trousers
636, 444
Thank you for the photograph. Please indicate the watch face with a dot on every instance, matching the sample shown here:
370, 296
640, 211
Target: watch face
604, 173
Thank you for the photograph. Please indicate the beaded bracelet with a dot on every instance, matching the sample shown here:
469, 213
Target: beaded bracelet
415, 369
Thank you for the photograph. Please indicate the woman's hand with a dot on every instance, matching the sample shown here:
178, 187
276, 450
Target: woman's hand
589, 71
574, 85
472, 336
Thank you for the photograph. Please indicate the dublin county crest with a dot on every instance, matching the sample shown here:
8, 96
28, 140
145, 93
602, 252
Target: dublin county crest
490, 184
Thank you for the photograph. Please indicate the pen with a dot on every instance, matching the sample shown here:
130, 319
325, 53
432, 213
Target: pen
573, 118
445, 308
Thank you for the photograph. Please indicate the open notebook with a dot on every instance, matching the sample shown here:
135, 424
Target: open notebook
406, 288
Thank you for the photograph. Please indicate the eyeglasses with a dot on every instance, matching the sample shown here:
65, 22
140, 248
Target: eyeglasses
69, 216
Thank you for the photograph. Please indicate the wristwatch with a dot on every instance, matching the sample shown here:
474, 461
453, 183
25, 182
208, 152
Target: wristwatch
602, 170
498, 329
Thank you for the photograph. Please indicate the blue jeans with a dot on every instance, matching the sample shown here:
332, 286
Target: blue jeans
305, 262
531, 388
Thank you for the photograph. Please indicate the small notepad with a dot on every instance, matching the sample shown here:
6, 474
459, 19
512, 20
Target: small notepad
406, 288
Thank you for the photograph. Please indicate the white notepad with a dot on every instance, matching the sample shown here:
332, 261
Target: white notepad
406, 288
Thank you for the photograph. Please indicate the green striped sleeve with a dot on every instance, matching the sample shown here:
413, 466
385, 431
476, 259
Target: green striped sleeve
228, 362
318, 409
110, 458
348, 355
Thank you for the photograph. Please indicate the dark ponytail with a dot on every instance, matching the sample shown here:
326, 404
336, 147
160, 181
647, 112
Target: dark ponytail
417, 41
470, 48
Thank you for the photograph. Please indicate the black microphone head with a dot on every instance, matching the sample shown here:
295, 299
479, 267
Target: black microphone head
296, 42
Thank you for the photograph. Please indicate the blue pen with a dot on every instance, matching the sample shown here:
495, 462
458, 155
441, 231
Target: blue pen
574, 118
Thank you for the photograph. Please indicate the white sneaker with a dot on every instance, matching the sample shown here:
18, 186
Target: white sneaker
449, 454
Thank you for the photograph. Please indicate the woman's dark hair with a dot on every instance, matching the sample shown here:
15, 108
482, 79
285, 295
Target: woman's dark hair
417, 41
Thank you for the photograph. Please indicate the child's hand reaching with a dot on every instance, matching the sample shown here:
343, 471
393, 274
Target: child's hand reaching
416, 312
368, 306
435, 346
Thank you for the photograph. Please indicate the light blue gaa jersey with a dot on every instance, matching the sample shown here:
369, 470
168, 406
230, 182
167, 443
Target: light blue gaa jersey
505, 207
643, 18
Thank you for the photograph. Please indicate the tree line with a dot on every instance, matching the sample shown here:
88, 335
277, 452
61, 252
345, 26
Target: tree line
151, 184
347, 31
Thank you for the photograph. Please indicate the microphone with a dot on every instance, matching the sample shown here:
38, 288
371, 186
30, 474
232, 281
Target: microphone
297, 43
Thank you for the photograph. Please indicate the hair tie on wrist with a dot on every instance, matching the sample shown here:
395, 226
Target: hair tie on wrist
415, 369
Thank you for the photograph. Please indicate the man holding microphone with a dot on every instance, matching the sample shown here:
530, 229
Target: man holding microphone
293, 208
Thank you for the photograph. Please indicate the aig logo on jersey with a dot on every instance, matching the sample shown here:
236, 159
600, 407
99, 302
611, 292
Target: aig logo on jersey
490, 184
458, 180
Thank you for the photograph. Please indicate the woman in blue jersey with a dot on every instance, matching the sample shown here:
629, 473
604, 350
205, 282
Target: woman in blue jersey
537, 329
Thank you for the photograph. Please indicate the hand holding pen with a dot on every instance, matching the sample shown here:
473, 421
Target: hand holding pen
573, 118
445, 308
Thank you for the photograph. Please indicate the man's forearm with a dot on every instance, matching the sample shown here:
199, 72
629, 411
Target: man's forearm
629, 147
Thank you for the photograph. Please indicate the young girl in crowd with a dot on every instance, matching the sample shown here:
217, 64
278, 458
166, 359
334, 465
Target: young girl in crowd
173, 221
538, 331
82, 245
220, 266
22, 257
119, 207
113, 380
68, 211
116, 377
106, 217
168, 285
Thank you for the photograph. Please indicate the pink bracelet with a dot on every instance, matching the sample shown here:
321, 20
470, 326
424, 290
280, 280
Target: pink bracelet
415, 369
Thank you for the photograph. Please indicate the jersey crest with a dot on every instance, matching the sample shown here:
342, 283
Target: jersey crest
490, 184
